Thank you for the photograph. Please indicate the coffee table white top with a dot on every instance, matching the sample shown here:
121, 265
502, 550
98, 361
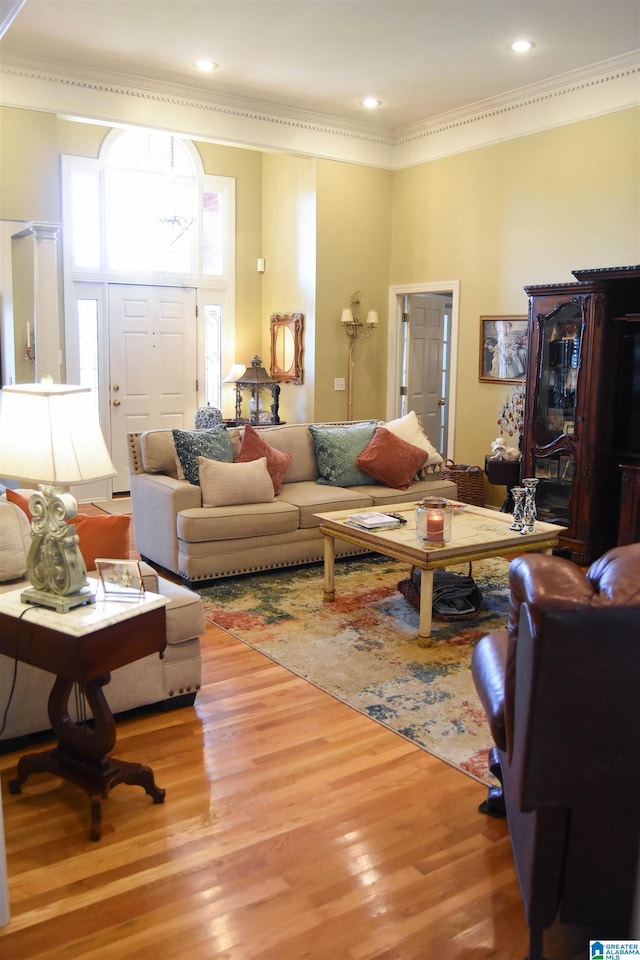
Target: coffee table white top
475, 531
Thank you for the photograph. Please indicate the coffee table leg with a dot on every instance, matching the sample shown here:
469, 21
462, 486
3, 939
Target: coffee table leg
426, 603
329, 567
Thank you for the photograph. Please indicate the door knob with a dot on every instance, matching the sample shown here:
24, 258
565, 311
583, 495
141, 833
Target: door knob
117, 403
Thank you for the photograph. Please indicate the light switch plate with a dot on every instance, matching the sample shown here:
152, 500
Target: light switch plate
339, 384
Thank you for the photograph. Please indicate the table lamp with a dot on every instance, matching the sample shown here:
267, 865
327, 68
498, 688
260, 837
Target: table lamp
50, 435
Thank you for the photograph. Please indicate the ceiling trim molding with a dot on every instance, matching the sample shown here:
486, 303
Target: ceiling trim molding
606, 87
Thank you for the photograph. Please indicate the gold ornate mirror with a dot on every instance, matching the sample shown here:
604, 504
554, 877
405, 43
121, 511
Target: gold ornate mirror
286, 347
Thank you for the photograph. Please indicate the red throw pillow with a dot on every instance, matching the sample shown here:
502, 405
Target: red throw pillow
98, 536
253, 447
20, 501
106, 536
390, 460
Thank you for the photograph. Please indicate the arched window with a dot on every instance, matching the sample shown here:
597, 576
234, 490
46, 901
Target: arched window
150, 204
146, 213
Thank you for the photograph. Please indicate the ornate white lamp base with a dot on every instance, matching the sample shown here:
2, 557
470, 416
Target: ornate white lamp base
41, 598
55, 566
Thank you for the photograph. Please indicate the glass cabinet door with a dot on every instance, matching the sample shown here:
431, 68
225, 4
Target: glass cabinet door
555, 474
554, 423
560, 345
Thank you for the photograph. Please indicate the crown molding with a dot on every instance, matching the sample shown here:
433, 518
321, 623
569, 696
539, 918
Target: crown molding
605, 87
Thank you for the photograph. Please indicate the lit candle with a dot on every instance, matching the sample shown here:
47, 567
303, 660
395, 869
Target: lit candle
435, 526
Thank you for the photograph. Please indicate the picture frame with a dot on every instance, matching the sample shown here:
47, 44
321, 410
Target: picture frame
286, 347
120, 579
504, 348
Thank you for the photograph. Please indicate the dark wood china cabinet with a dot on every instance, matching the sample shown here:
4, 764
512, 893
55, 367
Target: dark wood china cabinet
583, 403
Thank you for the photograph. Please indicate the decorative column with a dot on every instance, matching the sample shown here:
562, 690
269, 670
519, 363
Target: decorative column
36, 303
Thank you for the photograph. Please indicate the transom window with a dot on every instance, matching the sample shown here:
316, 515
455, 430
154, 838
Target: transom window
145, 212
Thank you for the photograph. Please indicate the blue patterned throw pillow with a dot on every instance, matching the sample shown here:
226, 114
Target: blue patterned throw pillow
214, 444
336, 449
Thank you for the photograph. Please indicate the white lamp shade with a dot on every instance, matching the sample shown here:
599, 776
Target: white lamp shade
372, 318
237, 371
49, 433
347, 316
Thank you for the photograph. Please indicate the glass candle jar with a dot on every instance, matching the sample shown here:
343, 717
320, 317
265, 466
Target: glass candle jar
433, 521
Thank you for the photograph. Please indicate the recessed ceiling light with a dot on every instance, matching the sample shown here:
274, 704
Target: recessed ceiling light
522, 46
371, 103
205, 65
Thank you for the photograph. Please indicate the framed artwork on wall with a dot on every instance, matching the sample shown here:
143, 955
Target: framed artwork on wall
504, 345
286, 347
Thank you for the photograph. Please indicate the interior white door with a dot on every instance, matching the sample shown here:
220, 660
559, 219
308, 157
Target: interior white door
426, 375
153, 364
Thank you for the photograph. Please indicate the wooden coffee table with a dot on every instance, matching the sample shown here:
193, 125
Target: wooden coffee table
477, 533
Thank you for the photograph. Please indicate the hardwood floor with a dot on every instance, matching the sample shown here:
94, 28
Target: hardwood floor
293, 829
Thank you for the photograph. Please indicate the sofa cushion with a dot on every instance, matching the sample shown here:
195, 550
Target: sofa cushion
15, 541
295, 440
226, 484
336, 450
311, 498
214, 444
254, 447
204, 525
390, 460
410, 429
158, 452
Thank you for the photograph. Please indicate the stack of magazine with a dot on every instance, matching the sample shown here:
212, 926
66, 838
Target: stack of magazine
375, 521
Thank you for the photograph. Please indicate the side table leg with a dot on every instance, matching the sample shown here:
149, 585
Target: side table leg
426, 604
81, 756
329, 567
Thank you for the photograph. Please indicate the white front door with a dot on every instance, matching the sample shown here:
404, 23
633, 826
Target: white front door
153, 364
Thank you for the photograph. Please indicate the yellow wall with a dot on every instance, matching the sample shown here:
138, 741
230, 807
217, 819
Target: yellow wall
246, 167
497, 218
520, 212
289, 280
29, 166
353, 253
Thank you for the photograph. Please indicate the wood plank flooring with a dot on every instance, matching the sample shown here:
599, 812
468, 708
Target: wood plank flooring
293, 829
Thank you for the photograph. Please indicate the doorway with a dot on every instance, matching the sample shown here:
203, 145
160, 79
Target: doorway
152, 368
422, 352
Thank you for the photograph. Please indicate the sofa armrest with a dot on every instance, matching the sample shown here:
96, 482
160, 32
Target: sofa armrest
156, 501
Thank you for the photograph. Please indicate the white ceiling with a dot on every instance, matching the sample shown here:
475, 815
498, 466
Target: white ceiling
422, 58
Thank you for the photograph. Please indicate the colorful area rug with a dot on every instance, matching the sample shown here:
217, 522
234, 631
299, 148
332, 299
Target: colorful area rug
364, 648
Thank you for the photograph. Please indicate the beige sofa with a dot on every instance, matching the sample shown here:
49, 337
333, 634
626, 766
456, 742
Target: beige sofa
170, 681
175, 531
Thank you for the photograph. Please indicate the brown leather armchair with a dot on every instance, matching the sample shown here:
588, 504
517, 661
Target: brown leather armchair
560, 688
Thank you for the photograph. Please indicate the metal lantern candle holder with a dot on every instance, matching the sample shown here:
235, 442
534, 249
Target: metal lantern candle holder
253, 382
433, 521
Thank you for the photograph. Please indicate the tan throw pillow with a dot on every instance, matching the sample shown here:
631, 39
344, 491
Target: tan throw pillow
228, 484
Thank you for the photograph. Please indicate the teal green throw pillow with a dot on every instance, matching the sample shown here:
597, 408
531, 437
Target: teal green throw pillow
214, 444
336, 449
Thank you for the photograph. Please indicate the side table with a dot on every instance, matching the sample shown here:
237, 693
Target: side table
83, 646
504, 473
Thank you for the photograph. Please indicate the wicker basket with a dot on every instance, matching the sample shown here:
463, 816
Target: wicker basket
469, 480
